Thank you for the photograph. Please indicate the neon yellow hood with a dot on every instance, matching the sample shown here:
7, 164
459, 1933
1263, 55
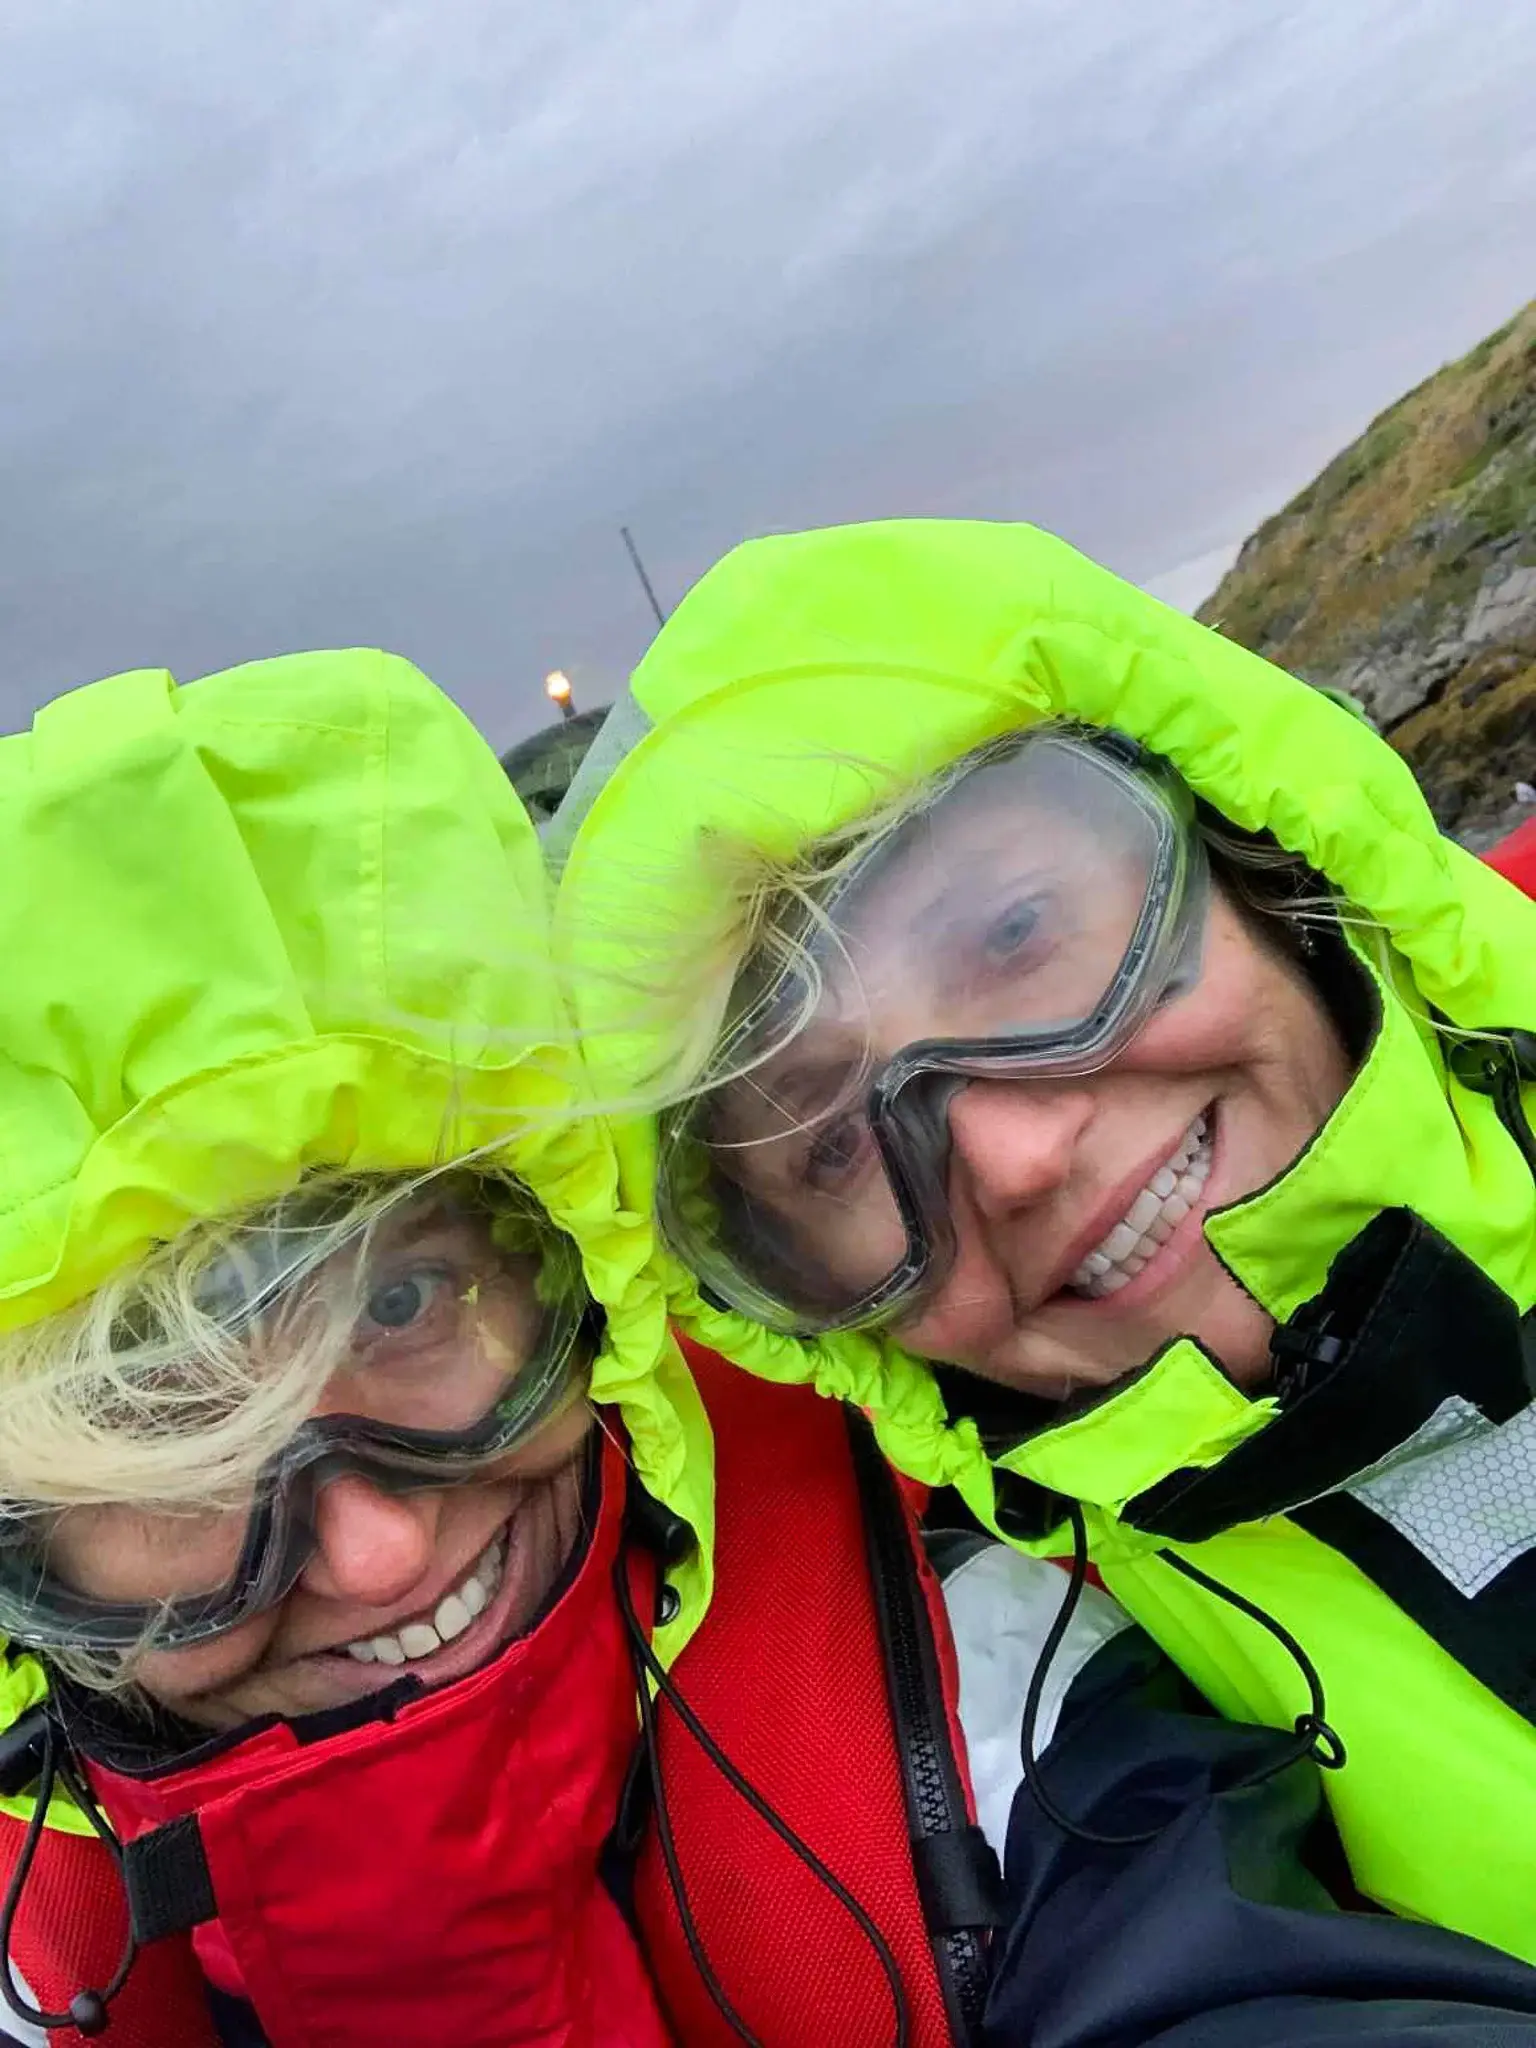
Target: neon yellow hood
801, 662
293, 916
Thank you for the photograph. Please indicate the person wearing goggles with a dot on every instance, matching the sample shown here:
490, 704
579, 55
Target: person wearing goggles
1078, 1049
1025, 922
398, 1629
436, 1335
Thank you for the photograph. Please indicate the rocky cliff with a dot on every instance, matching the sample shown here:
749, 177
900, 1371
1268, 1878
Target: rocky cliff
1406, 574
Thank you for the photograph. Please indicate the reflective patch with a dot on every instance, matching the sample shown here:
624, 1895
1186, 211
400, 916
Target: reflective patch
1001, 1606
1462, 1491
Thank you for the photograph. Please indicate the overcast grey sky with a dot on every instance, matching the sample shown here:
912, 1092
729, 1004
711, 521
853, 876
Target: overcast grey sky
338, 320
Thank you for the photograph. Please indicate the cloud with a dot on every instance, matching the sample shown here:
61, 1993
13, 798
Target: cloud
334, 320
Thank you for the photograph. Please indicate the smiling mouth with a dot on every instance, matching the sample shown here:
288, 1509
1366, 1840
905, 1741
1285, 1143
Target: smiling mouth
1152, 1218
462, 1605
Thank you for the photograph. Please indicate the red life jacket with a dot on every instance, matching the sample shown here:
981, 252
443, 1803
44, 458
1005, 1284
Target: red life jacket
484, 1924
1515, 857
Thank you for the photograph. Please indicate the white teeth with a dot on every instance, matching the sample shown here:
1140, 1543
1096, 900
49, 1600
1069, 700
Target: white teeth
451, 1618
1143, 1211
1151, 1220
1120, 1243
452, 1615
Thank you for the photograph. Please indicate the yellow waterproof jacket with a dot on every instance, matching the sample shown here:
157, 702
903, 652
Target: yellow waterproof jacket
1388, 1520
293, 916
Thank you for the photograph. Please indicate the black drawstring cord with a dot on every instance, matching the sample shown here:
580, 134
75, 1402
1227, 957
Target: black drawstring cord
87, 2013
1499, 1063
1314, 1737
647, 1664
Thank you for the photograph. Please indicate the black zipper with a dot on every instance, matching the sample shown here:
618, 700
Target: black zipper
958, 1879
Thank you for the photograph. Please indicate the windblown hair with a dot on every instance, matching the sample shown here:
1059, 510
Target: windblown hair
767, 924
181, 1376
179, 1379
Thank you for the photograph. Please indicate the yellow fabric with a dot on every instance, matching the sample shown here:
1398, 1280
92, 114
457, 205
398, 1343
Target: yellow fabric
809, 674
1180, 1412
1436, 1806
808, 677
286, 917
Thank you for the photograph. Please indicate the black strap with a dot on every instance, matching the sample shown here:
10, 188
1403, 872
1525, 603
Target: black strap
958, 1880
168, 1882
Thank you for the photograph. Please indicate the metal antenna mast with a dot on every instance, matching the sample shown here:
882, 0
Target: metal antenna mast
645, 581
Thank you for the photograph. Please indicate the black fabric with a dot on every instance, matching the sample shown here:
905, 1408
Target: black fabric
1223, 1931
124, 1732
1493, 1635
1405, 1320
957, 1880
949, 1548
235, 2021
168, 1882
1004, 1416
23, 1747
381, 1706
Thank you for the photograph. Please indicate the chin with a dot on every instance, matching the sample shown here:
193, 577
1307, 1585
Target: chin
1239, 1343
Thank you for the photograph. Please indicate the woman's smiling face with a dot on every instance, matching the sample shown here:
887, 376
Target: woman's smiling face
433, 1580
1075, 1204
1057, 1189
383, 1565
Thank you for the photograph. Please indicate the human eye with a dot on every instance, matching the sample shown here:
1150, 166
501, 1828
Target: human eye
1014, 936
836, 1153
405, 1306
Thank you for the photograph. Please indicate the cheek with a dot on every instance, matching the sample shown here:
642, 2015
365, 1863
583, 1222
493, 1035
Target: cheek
555, 1445
179, 1679
1251, 1009
1217, 1022
123, 1553
974, 1309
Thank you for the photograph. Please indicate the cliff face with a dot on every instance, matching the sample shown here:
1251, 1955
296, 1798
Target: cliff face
1406, 574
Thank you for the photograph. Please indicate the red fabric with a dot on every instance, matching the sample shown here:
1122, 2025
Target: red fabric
502, 1787
436, 1880
792, 1629
69, 1938
1516, 857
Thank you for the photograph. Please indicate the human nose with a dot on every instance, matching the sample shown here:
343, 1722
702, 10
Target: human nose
370, 1546
1014, 1141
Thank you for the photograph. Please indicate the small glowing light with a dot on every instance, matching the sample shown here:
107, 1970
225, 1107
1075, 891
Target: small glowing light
557, 686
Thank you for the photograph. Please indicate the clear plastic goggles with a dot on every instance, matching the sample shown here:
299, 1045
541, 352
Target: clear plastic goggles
447, 1329
1023, 921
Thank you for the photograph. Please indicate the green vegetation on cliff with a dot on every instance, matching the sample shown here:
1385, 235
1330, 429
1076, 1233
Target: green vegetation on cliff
1406, 574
